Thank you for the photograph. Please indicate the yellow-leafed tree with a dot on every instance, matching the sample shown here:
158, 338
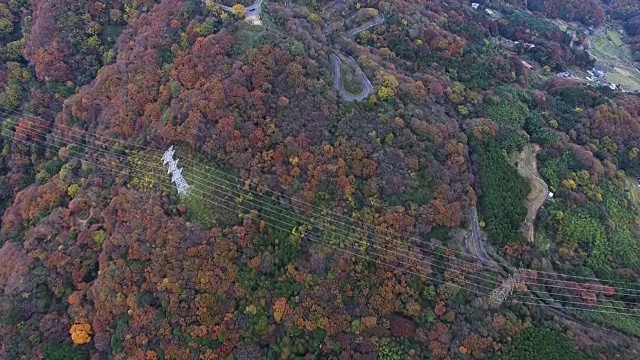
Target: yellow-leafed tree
80, 333
238, 9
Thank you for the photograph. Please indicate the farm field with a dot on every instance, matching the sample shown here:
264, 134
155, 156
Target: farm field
609, 51
624, 78
615, 38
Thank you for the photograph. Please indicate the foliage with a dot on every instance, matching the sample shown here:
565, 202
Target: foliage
99, 237
80, 333
246, 266
390, 350
238, 9
541, 344
622, 322
64, 352
73, 190
511, 113
502, 193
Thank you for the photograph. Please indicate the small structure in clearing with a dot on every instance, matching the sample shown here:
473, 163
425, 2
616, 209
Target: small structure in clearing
253, 19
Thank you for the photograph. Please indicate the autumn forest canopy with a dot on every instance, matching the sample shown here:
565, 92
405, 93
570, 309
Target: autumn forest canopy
337, 154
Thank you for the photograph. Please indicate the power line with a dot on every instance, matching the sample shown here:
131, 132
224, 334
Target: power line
287, 230
349, 245
387, 250
278, 210
292, 224
486, 280
324, 210
293, 201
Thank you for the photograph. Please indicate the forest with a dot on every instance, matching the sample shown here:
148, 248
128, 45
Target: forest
315, 227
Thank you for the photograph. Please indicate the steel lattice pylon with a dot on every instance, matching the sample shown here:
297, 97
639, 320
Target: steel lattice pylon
508, 285
176, 173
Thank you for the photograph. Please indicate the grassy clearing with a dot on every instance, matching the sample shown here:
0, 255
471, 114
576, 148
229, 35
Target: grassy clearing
217, 199
615, 38
213, 197
250, 37
633, 190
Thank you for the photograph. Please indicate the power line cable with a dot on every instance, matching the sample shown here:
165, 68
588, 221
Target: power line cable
289, 224
336, 230
536, 284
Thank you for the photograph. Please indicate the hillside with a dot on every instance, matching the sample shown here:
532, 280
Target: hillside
335, 153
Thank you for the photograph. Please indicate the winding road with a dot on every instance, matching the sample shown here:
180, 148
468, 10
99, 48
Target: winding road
337, 80
335, 61
377, 20
556, 309
251, 10
528, 169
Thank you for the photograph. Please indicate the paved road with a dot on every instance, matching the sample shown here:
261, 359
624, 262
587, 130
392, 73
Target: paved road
251, 10
476, 234
254, 9
377, 20
337, 80
328, 29
476, 237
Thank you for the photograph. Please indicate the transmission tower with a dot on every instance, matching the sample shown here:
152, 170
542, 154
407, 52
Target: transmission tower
507, 286
176, 174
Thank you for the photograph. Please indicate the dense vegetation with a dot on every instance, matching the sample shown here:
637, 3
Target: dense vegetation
502, 191
99, 263
541, 344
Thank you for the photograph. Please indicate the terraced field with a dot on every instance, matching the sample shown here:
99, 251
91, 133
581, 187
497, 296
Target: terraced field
611, 52
615, 38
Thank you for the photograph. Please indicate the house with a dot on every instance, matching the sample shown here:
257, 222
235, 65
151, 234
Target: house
475, 5
490, 12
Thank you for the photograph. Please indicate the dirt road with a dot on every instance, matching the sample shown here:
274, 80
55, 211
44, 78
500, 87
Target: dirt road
528, 169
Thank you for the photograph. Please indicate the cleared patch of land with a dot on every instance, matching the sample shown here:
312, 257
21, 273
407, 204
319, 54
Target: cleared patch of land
615, 38
632, 188
528, 169
610, 51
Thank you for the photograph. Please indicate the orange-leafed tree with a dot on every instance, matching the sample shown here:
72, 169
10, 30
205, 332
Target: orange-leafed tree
80, 333
279, 309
